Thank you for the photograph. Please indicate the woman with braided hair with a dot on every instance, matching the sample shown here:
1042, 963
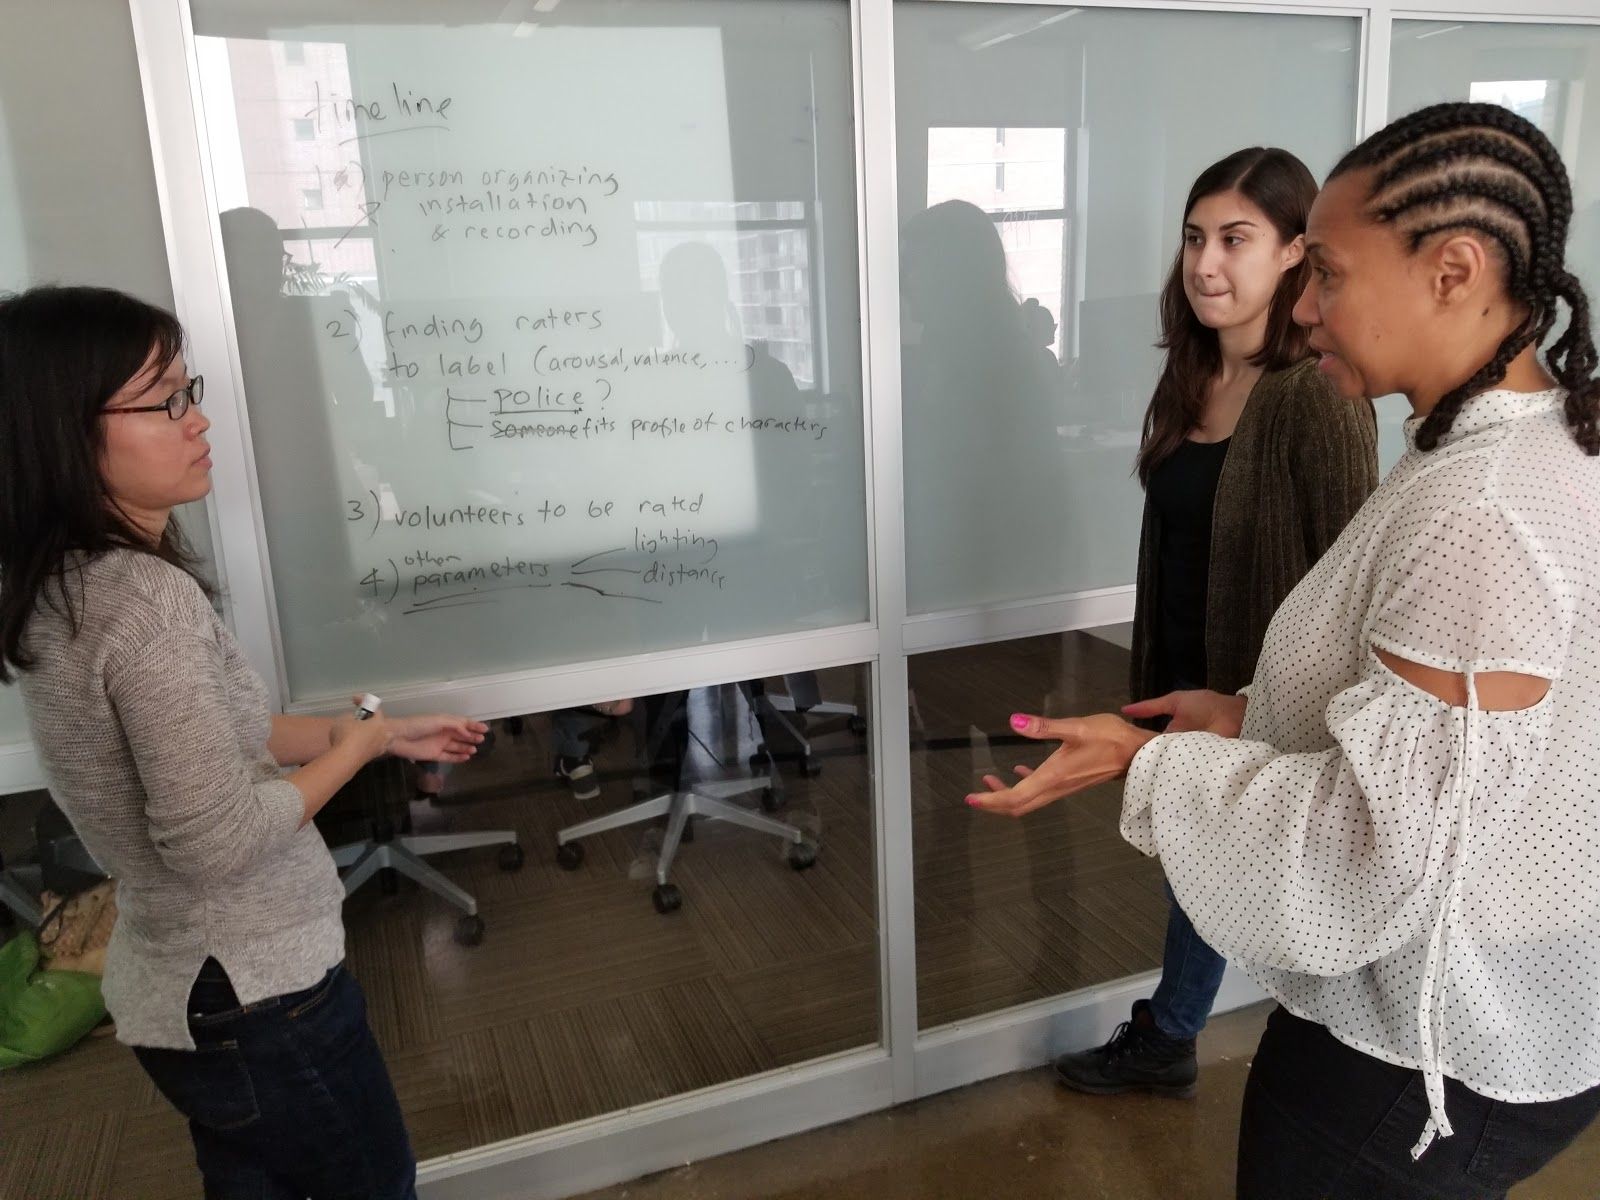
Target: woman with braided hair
1395, 829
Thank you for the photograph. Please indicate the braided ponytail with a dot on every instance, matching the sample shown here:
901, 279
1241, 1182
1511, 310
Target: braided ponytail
1572, 362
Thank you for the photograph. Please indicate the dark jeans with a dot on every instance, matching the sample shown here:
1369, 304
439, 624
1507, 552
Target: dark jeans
287, 1098
1191, 973
1324, 1122
571, 728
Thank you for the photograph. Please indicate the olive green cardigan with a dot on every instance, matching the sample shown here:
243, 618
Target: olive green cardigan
1301, 461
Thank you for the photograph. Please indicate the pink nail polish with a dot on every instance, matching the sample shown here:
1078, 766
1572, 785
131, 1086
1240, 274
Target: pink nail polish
972, 802
1019, 722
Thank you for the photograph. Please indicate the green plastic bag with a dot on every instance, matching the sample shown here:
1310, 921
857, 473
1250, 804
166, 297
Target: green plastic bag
42, 1013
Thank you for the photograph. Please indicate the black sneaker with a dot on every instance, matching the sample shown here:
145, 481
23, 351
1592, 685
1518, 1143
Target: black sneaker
1138, 1058
579, 772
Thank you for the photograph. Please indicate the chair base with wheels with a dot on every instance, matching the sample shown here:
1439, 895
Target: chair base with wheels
803, 702
360, 861
708, 799
390, 851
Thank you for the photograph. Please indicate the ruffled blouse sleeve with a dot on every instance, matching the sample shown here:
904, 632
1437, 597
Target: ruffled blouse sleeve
1325, 862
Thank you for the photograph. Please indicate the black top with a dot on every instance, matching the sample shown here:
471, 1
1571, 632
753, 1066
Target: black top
1300, 463
1183, 489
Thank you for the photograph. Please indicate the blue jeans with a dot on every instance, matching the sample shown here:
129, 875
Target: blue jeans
287, 1098
1191, 973
571, 728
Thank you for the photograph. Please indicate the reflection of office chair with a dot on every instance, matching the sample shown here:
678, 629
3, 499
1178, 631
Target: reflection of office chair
59, 861
387, 849
19, 890
805, 701
705, 799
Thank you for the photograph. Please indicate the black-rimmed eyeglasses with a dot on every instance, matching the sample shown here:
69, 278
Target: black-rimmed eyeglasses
175, 405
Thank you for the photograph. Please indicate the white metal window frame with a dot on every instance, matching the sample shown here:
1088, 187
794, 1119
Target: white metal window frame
907, 1064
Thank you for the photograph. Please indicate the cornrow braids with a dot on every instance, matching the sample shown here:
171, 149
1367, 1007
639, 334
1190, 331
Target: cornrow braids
1481, 167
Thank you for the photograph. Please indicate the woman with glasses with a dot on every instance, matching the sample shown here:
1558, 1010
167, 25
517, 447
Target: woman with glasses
224, 970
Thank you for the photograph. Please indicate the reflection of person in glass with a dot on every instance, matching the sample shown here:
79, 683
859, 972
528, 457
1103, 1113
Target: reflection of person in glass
224, 970
270, 319
1252, 465
1041, 324
310, 405
792, 474
979, 389
697, 305
1393, 831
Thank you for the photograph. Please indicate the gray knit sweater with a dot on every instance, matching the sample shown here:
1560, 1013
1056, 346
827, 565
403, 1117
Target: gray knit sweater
152, 729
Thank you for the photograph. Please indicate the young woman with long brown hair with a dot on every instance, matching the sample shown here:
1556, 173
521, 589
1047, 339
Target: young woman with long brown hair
1251, 466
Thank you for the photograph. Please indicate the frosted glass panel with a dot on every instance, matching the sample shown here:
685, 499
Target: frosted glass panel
1044, 155
549, 326
1548, 73
1013, 912
66, 214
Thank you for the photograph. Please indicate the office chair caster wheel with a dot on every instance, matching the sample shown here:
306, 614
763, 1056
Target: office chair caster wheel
469, 930
511, 857
569, 857
802, 855
667, 898
771, 800
810, 767
758, 760
858, 725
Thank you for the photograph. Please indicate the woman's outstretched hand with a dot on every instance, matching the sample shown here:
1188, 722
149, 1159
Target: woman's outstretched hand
1193, 712
437, 737
1093, 750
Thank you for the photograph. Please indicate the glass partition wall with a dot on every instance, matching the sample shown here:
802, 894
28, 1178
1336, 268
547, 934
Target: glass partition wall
725, 886
1043, 159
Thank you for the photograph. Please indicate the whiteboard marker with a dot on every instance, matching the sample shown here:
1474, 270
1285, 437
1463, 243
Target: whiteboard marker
366, 706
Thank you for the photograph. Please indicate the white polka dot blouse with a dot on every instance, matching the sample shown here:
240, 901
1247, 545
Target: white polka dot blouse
1422, 879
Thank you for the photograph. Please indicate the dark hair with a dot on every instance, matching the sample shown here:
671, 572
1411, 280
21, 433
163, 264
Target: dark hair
956, 240
1279, 184
1480, 168
64, 353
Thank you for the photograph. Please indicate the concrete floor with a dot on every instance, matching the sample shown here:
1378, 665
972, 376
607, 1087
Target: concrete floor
1024, 1137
